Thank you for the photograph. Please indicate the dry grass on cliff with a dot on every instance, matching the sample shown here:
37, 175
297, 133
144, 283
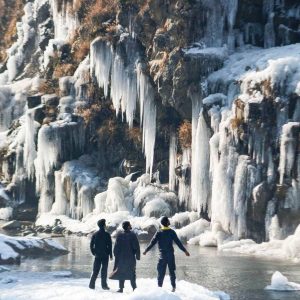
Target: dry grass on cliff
62, 70
108, 132
185, 134
10, 13
89, 113
49, 87
135, 135
98, 12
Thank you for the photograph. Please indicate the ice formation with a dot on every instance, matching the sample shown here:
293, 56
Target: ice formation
128, 83
65, 23
172, 161
57, 142
280, 249
280, 283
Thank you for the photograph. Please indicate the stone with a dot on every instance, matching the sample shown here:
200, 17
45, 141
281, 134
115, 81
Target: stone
33, 101
50, 100
11, 225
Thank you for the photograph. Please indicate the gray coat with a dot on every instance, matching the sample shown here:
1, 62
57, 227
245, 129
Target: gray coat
126, 251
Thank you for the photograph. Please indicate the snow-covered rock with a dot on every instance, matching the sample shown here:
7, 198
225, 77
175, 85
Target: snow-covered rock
280, 283
11, 248
77, 289
288, 248
6, 213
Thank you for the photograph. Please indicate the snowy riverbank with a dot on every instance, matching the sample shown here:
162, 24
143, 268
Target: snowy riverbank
52, 287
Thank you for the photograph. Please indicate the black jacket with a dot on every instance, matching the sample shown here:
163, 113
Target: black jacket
101, 245
126, 251
165, 238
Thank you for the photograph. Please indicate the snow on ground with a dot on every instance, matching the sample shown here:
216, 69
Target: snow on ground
11, 248
288, 248
280, 283
45, 286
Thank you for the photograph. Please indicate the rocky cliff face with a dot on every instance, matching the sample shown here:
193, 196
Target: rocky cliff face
207, 91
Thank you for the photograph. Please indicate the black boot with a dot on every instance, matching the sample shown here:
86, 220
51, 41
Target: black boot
92, 282
120, 291
105, 287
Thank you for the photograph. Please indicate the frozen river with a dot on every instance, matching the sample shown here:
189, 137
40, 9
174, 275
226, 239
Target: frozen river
240, 276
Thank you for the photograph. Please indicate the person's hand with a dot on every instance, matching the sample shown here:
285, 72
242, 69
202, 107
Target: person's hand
145, 252
187, 253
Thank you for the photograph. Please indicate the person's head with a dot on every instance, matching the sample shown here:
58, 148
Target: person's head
165, 221
101, 223
126, 225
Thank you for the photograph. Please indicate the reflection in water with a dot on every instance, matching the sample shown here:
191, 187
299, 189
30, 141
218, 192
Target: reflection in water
244, 278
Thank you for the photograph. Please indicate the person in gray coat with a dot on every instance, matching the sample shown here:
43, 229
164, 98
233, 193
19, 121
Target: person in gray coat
126, 252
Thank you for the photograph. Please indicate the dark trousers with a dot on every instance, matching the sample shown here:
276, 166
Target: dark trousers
132, 282
98, 262
164, 261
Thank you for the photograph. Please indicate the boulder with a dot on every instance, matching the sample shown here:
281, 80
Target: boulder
12, 225
33, 101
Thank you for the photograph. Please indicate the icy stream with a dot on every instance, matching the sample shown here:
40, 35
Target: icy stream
242, 277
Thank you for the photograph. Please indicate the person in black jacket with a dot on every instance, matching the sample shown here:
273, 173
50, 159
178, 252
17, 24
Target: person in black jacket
126, 252
165, 238
101, 248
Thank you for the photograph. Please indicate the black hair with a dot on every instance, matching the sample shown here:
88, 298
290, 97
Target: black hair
125, 225
101, 223
165, 221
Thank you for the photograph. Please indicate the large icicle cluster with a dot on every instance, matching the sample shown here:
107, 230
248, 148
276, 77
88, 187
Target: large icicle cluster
128, 82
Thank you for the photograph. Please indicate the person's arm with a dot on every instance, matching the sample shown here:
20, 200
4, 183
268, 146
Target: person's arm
136, 247
92, 244
152, 243
109, 245
116, 247
179, 244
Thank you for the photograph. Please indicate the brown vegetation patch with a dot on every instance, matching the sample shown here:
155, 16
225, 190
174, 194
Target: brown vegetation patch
11, 12
135, 135
108, 132
89, 113
62, 70
185, 134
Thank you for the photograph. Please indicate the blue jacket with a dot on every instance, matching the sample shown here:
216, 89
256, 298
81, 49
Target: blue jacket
165, 238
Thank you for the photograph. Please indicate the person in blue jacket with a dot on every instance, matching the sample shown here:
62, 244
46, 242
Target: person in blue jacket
165, 238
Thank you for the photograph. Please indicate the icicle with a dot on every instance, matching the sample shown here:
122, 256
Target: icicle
101, 62
147, 116
60, 206
172, 161
184, 189
196, 107
30, 152
200, 175
65, 23
224, 160
123, 89
287, 150
240, 197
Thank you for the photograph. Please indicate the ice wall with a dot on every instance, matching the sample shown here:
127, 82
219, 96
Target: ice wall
246, 127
